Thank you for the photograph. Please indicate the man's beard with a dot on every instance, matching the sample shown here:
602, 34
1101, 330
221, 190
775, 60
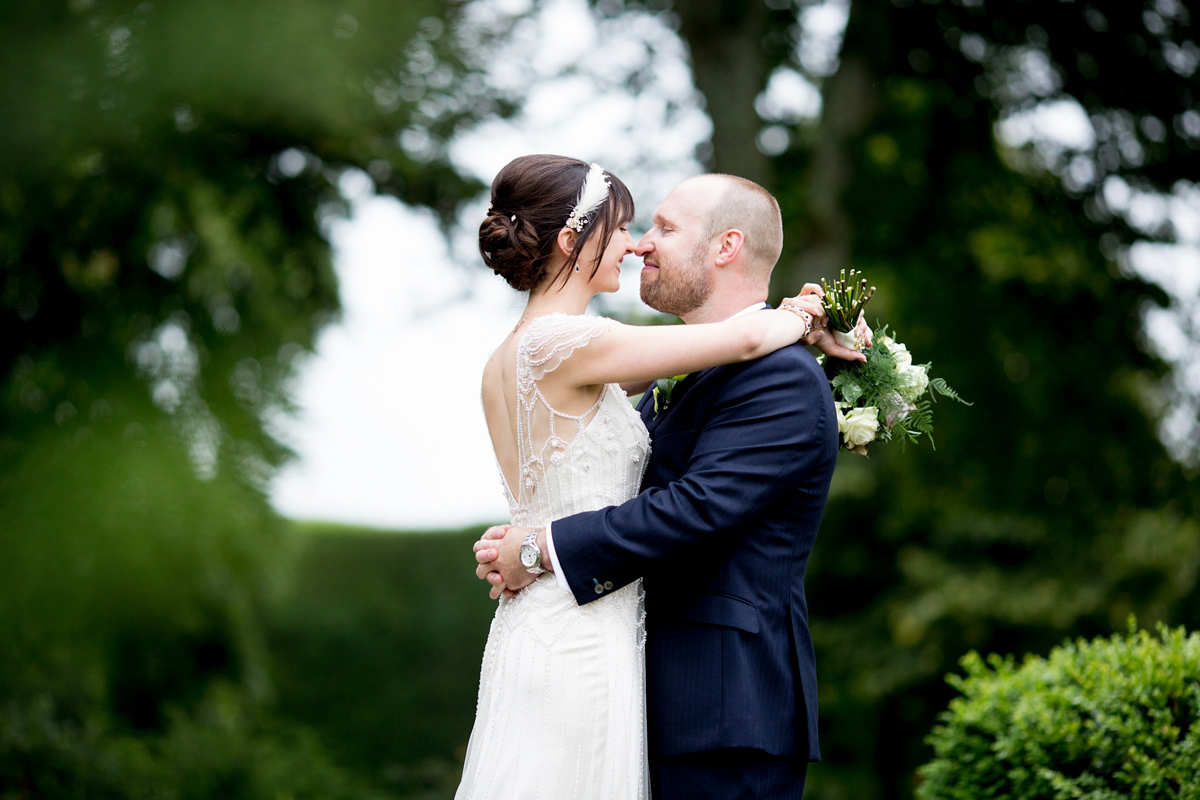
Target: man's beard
682, 290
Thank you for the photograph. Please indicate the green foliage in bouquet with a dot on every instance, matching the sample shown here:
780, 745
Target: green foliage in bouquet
1110, 718
886, 396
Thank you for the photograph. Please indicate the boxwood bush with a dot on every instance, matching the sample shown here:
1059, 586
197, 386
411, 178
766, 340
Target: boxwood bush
1106, 719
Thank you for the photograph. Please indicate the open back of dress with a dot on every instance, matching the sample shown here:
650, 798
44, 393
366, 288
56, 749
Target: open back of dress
561, 710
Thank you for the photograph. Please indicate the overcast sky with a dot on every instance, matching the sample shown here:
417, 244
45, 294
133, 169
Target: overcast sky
390, 431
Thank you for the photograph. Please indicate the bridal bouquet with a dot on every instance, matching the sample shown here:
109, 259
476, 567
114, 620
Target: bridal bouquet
887, 396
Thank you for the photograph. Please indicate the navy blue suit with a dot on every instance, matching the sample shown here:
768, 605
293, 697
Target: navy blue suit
721, 532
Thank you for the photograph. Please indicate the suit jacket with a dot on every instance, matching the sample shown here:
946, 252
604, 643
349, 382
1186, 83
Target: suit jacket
721, 532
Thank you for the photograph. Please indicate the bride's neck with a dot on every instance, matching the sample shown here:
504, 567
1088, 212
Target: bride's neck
569, 299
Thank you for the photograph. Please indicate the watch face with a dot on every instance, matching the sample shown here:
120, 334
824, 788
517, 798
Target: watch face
529, 556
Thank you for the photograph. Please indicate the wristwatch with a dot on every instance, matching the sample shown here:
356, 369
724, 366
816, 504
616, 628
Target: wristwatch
531, 556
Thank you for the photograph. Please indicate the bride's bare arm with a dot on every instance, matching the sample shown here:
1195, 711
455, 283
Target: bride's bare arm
636, 387
642, 354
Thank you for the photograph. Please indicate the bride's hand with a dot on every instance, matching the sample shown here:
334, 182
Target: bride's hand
809, 300
810, 303
829, 346
820, 336
863, 330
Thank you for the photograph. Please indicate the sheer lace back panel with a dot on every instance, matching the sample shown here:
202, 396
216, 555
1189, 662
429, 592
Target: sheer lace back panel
570, 463
561, 681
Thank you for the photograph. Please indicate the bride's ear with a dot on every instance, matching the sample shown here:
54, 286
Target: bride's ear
566, 241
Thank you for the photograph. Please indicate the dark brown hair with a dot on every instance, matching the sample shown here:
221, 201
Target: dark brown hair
531, 200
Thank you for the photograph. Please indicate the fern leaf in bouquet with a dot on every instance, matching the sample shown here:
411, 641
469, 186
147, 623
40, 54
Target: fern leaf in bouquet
887, 396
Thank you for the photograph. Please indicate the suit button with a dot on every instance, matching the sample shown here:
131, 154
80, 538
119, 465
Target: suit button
608, 586
599, 589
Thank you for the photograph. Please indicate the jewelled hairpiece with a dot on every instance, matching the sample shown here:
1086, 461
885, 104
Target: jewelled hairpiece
594, 191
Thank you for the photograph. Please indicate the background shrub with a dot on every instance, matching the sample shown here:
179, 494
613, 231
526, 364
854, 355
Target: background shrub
1110, 718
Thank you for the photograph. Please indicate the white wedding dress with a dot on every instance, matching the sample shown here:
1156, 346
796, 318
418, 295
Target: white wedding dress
561, 710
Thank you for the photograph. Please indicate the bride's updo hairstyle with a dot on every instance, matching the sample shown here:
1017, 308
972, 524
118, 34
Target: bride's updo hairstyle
531, 200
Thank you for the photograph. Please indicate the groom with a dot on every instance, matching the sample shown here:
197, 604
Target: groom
742, 456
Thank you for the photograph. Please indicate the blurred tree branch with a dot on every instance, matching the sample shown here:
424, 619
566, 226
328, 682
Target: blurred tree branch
165, 169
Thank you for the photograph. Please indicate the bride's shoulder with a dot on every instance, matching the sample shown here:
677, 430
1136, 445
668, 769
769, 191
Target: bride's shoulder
551, 339
557, 326
493, 369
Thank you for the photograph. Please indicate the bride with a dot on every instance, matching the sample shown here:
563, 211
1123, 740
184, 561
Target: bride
561, 700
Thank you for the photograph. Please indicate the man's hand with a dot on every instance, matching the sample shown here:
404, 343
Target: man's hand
498, 553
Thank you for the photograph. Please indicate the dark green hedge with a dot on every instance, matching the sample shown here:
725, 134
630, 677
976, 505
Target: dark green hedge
1106, 719
222, 748
133, 651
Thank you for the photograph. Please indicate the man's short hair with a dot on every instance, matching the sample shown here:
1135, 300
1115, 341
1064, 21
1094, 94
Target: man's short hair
754, 211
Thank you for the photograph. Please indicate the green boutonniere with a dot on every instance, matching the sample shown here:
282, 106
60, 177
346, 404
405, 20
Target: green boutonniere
663, 389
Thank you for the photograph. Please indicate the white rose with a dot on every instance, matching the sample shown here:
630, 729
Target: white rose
900, 352
859, 426
914, 382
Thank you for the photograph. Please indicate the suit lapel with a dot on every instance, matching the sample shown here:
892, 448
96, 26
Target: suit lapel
646, 402
646, 407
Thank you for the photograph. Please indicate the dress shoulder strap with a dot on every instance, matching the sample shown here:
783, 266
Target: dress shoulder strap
550, 340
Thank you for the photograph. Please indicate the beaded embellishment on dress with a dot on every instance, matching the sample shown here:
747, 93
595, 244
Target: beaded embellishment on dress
561, 711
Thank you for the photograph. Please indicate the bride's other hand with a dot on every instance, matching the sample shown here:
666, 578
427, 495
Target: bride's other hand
864, 330
825, 342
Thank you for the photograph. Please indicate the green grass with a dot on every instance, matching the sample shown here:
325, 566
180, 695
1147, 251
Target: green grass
377, 646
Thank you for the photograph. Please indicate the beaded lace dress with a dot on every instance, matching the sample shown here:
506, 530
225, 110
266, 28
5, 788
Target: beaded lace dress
561, 711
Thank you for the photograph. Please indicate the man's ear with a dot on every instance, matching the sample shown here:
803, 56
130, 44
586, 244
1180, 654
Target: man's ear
566, 241
729, 245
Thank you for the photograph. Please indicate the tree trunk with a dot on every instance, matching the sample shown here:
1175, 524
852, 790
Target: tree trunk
730, 69
850, 103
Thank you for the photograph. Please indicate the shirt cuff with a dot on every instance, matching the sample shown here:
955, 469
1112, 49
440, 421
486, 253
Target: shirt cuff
558, 573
